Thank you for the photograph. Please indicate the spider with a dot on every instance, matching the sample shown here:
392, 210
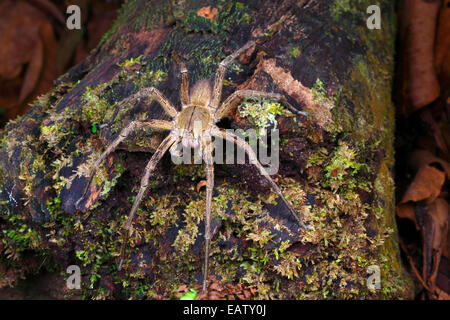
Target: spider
193, 126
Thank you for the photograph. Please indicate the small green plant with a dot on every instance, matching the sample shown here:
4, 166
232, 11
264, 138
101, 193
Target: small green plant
342, 167
190, 295
130, 62
261, 112
295, 52
94, 127
319, 92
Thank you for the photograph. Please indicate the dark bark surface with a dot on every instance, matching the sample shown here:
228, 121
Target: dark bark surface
336, 164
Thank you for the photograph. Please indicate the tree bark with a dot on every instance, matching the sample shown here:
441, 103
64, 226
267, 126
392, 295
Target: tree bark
336, 163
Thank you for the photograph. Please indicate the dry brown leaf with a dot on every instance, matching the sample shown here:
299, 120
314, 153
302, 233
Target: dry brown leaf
434, 225
424, 157
28, 44
424, 86
208, 13
181, 290
442, 295
439, 211
443, 123
419, 84
426, 185
50, 8
439, 140
443, 35
407, 211
247, 294
33, 72
215, 286
202, 183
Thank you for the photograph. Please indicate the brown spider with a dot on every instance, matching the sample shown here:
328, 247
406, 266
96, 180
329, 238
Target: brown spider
193, 126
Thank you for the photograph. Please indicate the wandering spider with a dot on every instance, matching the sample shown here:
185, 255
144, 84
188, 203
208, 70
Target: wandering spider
193, 126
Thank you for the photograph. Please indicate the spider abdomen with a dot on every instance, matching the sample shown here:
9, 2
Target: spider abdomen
201, 93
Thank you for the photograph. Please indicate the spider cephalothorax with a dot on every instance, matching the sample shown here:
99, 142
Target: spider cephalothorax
194, 126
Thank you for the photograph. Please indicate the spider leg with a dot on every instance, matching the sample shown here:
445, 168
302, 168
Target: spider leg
155, 124
208, 149
253, 160
240, 94
149, 168
184, 88
155, 93
220, 73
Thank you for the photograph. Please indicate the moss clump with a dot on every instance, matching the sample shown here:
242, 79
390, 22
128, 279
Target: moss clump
350, 7
342, 168
295, 52
130, 62
261, 113
95, 108
18, 240
186, 237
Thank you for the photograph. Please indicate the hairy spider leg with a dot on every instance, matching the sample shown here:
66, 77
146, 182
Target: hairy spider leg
209, 163
144, 93
254, 160
220, 73
184, 87
149, 168
154, 124
236, 96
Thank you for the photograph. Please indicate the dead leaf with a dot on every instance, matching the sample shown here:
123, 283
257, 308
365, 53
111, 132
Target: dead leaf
426, 185
418, 85
439, 211
442, 295
26, 55
424, 157
50, 8
407, 211
424, 85
443, 35
181, 290
215, 286
208, 13
33, 71
439, 140
202, 183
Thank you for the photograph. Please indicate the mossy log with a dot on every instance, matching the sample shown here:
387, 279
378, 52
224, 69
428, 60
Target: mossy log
336, 164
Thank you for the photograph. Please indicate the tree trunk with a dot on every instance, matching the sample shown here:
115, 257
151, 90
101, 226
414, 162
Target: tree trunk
336, 163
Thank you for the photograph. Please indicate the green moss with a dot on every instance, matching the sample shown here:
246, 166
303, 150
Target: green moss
95, 108
109, 184
130, 62
151, 78
229, 14
183, 171
261, 113
196, 23
351, 7
295, 52
342, 168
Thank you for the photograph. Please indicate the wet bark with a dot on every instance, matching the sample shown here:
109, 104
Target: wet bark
336, 164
